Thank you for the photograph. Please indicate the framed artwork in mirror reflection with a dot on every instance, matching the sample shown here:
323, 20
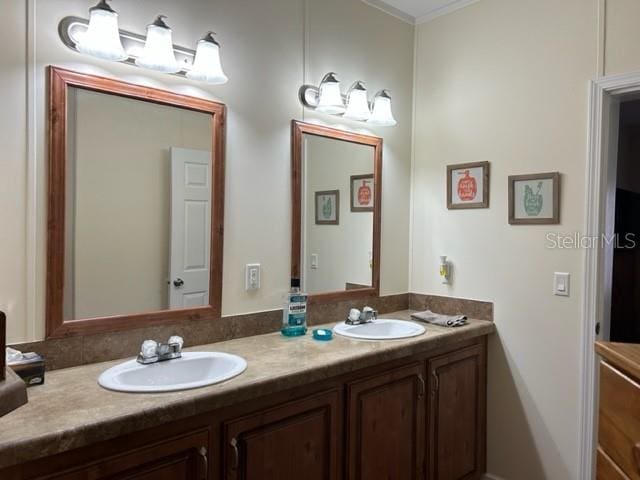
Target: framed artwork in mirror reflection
362, 193
327, 207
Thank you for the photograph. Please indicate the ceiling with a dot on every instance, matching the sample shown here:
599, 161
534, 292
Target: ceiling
418, 11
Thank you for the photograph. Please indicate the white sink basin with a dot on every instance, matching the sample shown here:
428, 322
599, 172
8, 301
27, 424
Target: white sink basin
380, 329
193, 370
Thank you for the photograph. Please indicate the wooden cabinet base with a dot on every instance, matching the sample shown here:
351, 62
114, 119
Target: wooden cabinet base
456, 425
419, 418
299, 439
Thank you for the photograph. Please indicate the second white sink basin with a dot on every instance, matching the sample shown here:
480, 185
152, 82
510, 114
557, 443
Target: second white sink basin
193, 370
380, 329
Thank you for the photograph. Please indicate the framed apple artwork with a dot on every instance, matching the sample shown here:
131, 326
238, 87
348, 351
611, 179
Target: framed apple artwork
468, 185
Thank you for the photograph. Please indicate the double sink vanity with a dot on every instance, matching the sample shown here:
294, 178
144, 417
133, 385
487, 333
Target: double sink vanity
387, 399
156, 373
346, 408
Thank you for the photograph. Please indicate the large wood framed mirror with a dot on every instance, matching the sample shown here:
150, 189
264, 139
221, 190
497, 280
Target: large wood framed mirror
336, 212
135, 205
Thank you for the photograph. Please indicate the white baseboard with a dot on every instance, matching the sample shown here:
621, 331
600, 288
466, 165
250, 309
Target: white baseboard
488, 476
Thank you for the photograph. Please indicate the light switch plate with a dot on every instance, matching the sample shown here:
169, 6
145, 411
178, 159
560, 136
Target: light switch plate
252, 276
315, 259
561, 284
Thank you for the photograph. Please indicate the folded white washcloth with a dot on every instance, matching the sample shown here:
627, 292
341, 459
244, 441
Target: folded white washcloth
441, 320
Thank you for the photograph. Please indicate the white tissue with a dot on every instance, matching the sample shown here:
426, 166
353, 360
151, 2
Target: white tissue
13, 355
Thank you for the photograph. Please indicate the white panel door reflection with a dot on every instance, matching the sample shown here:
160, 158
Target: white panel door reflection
190, 228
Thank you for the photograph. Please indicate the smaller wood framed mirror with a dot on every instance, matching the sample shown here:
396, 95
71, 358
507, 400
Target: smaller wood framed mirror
336, 212
135, 205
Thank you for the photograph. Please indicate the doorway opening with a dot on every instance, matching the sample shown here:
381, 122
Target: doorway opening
625, 276
607, 96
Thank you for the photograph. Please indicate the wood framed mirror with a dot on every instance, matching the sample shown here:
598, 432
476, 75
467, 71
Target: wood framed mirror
336, 212
135, 205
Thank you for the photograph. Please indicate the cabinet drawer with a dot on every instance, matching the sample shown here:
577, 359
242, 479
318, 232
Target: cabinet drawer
607, 470
619, 418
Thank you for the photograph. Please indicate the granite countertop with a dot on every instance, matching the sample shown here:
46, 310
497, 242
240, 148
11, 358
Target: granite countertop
71, 410
625, 356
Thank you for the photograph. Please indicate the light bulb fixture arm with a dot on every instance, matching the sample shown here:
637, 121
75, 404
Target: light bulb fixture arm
309, 96
70, 27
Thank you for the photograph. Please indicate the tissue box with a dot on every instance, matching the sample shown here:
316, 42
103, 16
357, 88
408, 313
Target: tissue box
30, 368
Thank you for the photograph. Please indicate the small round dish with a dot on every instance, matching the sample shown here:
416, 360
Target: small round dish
322, 334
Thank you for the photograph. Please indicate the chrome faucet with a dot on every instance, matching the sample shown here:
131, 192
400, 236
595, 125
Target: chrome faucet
153, 352
367, 315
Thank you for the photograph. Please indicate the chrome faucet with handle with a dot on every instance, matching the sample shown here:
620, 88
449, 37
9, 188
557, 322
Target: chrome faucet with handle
356, 317
153, 352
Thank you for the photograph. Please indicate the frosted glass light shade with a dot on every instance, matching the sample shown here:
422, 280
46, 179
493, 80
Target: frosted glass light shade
206, 65
357, 103
158, 48
102, 38
382, 115
329, 97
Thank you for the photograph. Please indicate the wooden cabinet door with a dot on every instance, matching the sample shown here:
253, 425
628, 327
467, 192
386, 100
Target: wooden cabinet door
180, 458
299, 440
456, 417
385, 436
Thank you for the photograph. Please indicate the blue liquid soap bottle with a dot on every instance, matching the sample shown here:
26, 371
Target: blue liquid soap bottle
294, 316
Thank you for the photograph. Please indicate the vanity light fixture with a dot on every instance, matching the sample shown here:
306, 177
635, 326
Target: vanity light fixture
357, 103
100, 37
206, 65
327, 98
382, 114
158, 48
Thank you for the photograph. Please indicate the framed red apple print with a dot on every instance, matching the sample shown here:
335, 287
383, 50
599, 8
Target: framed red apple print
362, 193
468, 185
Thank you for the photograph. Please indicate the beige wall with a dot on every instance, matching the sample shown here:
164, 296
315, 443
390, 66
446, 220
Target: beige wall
121, 219
622, 36
344, 250
14, 262
507, 82
269, 50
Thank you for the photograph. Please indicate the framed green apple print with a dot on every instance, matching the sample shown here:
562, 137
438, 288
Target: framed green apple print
534, 199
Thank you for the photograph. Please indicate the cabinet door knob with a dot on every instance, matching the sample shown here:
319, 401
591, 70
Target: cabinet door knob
636, 455
436, 382
236, 454
423, 387
202, 452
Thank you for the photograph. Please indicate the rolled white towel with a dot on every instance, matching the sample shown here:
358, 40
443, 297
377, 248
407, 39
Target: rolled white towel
441, 320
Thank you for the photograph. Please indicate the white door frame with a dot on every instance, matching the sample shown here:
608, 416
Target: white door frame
605, 93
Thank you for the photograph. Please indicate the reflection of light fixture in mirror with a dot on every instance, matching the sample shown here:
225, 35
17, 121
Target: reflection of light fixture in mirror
206, 65
329, 97
382, 114
158, 48
357, 103
102, 37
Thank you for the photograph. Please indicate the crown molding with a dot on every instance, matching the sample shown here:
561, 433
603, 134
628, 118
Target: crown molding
444, 10
427, 17
393, 11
